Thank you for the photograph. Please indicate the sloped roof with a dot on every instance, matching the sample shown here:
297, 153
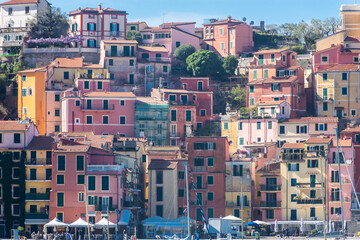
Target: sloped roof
13, 126
159, 164
351, 129
272, 51
271, 103
318, 140
172, 24
314, 119
41, 143
341, 68
342, 142
293, 145
152, 49
120, 41
11, 2
77, 62
40, 69
110, 94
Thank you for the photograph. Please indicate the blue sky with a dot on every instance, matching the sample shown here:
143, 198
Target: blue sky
271, 11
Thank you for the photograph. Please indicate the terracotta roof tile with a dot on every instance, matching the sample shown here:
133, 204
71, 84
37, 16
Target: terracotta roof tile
274, 80
314, 119
68, 62
293, 145
40, 69
178, 91
19, 2
155, 29
271, 103
272, 51
110, 94
97, 11
318, 140
351, 129
158, 164
152, 49
341, 68
14, 126
342, 142
120, 41
173, 24
41, 143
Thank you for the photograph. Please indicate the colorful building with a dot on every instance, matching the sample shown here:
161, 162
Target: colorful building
228, 37
96, 24
152, 120
135, 26
38, 167
274, 76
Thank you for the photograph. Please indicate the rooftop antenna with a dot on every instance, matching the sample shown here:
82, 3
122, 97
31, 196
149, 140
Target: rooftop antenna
164, 17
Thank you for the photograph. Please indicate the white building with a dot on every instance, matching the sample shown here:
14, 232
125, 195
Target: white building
14, 20
96, 24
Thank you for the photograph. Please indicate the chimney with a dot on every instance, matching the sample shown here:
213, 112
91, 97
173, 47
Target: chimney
229, 18
99, 8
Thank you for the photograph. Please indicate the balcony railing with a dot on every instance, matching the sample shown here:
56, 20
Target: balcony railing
174, 134
104, 208
237, 204
133, 186
199, 169
309, 201
132, 204
110, 107
155, 59
292, 156
37, 196
93, 76
117, 54
308, 185
36, 216
38, 161
270, 204
270, 187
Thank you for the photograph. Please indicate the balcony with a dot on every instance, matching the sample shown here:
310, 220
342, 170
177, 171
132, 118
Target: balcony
105, 207
309, 201
199, 169
133, 187
37, 196
38, 161
93, 76
174, 135
131, 204
36, 216
156, 59
90, 108
296, 157
309, 185
117, 54
327, 97
231, 204
115, 33
270, 204
105, 168
270, 188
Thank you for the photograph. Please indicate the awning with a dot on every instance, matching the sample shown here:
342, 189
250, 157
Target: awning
104, 223
36, 221
79, 223
124, 217
298, 222
162, 222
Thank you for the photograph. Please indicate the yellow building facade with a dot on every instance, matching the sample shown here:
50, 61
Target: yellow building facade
38, 167
230, 130
303, 177
337, 91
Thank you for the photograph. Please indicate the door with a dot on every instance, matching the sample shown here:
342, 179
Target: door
200, 86
33, 157
113, 51
90, 72
199, 182
312, 180
339, 113
271, 199
88, 104
261, 59
184, 99
106, 104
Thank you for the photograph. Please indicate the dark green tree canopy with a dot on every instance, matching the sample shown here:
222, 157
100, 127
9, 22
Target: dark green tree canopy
230, 64
204, 63
182, 52
51, 23
134, 35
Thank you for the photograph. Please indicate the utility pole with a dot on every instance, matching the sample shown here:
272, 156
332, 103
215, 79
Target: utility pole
340, 189
187, 199
323, 195
87, 213
241, 209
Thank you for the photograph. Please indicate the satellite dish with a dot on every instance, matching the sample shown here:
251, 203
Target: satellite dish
244, 19
252, 23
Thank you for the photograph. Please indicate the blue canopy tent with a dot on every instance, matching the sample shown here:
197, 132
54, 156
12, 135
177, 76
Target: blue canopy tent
160, 226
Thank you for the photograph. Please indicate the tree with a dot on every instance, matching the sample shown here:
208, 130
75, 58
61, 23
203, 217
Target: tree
272, 28
134, 35
204, 63
230, 64
182, 52
51, 23
237, 98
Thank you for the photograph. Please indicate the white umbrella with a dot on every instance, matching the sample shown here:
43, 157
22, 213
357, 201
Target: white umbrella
79, 223
276, 227
104, 223
261, 222
329, 228
301, 225
56, 223
344, 226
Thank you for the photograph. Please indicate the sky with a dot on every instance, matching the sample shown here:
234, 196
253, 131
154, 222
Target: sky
154, 12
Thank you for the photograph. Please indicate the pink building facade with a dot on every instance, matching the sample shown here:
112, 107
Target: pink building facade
100, 112
76, 167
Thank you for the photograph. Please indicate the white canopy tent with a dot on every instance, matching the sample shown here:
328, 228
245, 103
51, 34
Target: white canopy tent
104, 222
56, 223
80, 223
261, 222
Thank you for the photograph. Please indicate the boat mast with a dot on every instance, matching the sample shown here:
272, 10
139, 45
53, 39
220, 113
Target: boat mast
187, 199
87, 213
340, 189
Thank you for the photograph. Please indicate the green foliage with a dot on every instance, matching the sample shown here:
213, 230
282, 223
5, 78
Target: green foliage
210, 129
299, 49
220, 99
262, 40
51, 23
246, 110
230, 64
134, 35
182, 52
204, 63
237, 98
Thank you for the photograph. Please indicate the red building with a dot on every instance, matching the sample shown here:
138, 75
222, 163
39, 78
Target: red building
274, 76
206, 159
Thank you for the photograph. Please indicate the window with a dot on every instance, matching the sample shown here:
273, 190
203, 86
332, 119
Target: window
181, 175
23, 92
199, 161
269, 124
344, 76
221, 31
16, 209
237, 170
312, 212
324, 58
258, 125
251, 88
57, 128
80, 163
122, 102
81, 197
91, 183
282, 129
16, 173
266, 73
231, 45
24, 78
15, 191
356, 59
80, 179
61, 163
222, 46
188, 115
122, 120
325, 76
202, 112
240, 126
335, 194
293, 167
312, 193
105, 183
344, 91
105, 119
210, 162
293, 182
301, 129
251, 101
292, 196
283, 58
33, 208
210, 212
177, 44
353, 112
91, 43
131, 78
210, 180
226, 126
30, 91
57, 112
254, 74
10, 11
159, 177
131, 62
241, 141
99, 85
270, 213
27, 10
60, 179
91, 26
173, 115
60, 199
321, 127
272, 57
17, 138
57, 97
92, 200
181, 192
159, 210
89, 119
165, 69
1, 139
275, 87
325, 107
66, 75
159, 194
293, 214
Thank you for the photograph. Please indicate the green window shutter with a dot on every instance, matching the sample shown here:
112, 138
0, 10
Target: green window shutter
308, 163
234, 170
272, 87
289, 166
316, 127
240, 170
297, 167
88, 27
100, 201
94, 26
317, 163
89, 200
95, 202
117, 27
110, 203
325, 126
214, 145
